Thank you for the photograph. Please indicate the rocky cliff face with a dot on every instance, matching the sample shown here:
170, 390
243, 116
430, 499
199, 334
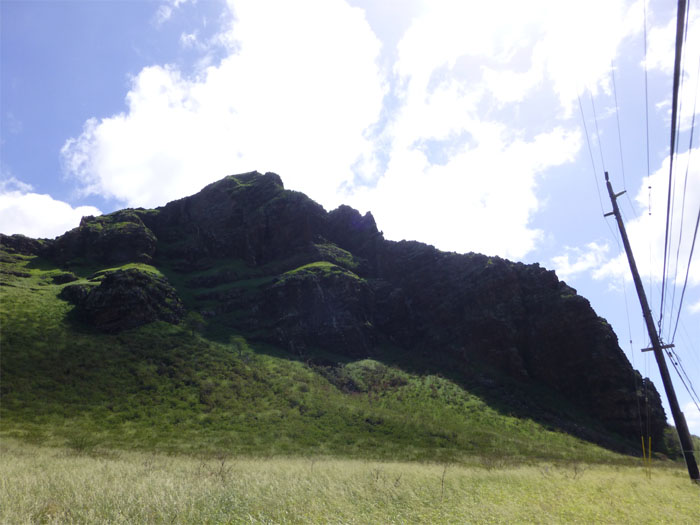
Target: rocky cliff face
126, 299
248, 217
275, 265
109, 239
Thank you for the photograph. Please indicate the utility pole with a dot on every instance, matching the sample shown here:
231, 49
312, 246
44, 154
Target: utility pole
678, 417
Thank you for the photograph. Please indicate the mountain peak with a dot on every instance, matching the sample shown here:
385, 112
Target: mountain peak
255, 258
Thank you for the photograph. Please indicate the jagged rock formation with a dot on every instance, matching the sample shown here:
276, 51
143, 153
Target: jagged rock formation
275, 265
248, 217
22, 244
126, 299
322, 305
108, 239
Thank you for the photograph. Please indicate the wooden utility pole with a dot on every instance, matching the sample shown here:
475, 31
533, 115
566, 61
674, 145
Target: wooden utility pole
678, 417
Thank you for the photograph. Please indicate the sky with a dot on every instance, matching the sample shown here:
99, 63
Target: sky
472, 126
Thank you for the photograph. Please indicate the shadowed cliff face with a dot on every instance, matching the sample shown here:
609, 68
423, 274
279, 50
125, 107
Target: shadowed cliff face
107, 239
125, 299
275, 265
249, 217
519, 318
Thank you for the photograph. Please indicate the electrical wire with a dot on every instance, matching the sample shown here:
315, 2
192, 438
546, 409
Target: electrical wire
617, 116
677, 365
687, 271
590, 152
619, 136
646, 125
685, 186
600, 146
674, 154
637, 390
634, 372
687, 343
693, 394
646, 91
680, 26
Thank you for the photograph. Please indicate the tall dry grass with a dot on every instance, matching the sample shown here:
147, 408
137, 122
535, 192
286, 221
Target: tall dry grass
86, 485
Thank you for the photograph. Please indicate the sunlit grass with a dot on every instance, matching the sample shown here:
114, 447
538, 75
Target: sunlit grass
160, 388
61, 485
157, 425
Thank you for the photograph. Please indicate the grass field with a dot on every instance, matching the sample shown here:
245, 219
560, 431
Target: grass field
162, 425
62, 485
161, 388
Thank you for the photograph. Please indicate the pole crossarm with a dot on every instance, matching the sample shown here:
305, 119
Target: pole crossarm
663, 347
657, 347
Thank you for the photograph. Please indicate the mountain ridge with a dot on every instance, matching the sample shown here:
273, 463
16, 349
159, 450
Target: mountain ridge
252, 257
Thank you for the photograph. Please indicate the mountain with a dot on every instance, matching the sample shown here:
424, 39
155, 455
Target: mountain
245, 257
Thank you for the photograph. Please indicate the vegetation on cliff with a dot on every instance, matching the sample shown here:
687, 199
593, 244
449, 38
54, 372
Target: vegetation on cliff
314, 335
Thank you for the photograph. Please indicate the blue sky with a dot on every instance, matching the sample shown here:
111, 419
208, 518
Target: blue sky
456, 123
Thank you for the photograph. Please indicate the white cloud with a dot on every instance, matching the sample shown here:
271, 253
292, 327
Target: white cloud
692, 417
694, 308
301, 94
457, 63
12, 124
522, 43
481, 200
573, 59
647, 232
661, 57
188, 40
661, 50
584, 260
296, 97
34, 214
11, 184
165, 10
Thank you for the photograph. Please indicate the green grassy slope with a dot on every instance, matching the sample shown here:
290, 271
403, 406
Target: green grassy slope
160, 387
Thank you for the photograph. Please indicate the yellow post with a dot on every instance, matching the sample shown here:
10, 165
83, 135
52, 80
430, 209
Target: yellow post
646, 456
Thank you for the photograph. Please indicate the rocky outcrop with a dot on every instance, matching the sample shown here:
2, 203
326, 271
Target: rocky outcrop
76, 293
274, 264
64, 277
118, 237
249, 217
22, 244
519, 318
126, 299
320, 305
356, 233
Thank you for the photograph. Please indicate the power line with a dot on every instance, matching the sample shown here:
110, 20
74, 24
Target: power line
619, 135
685, 185
687, 342
590, 152
680, 24
617, 116
681, 426
646, 125
675, 361
595, 119
646, 90
693, 394
634, 370
687, 271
